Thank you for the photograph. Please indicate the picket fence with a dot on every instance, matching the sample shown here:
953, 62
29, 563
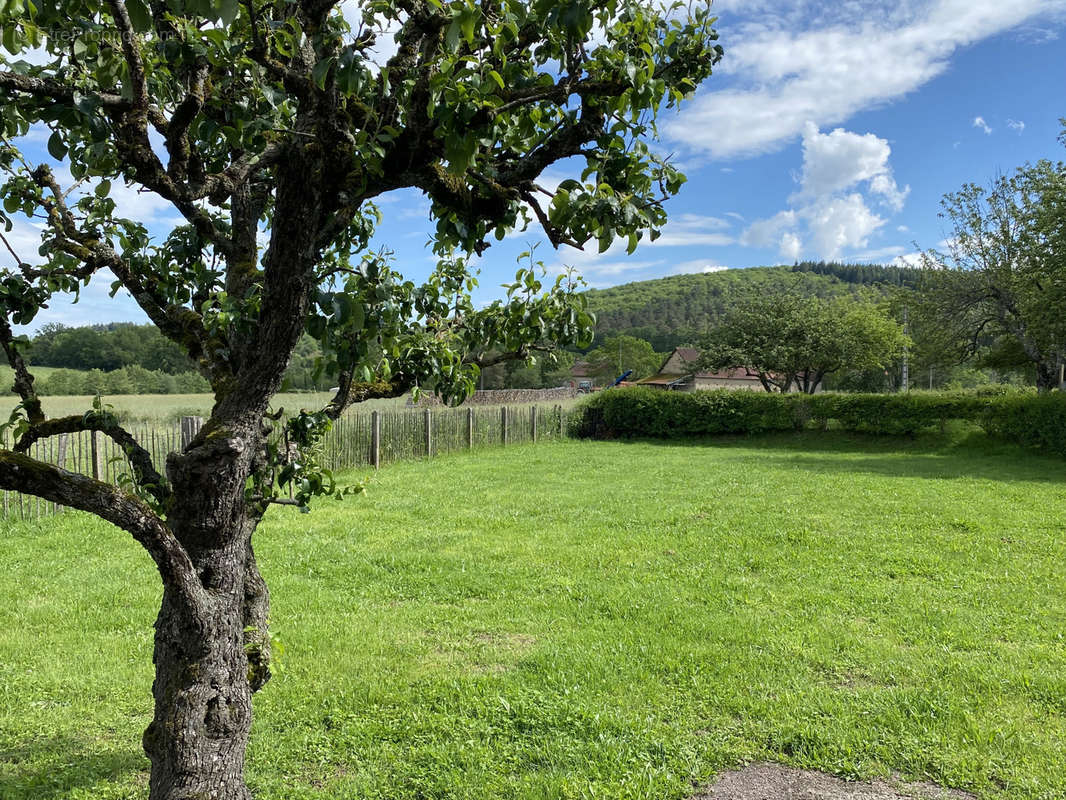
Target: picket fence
358, 439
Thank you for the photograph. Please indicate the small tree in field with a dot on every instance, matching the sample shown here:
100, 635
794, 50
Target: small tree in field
266, 120
796, 341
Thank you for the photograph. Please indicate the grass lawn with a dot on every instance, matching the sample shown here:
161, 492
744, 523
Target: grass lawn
593, 620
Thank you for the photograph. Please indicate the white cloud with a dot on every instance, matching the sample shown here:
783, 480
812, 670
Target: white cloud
767, 232
839, 160
699, 266
830, 214
25, 239
979, 122
908, 260
840, 223
692, 229
1016, 125
824, 62
790, 247
880, 254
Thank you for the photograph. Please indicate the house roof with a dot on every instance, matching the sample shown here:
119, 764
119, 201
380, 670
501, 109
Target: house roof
581, 369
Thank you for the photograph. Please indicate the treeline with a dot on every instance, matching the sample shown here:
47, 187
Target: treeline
864, 274
127, 380
107, 348
126, 358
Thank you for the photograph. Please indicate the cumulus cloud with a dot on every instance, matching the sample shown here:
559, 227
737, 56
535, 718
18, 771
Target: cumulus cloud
830, 214
1016, 125
836, 161
979, 123
806, 60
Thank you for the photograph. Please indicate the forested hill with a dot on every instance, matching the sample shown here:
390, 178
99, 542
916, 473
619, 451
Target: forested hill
679, 309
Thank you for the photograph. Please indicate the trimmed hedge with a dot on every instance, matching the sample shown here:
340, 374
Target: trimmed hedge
1037, 420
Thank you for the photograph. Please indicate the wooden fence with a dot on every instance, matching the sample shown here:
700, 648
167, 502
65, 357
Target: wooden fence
357, 439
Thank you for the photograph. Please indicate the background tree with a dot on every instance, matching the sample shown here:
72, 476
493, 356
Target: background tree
269, 117
793, 341
616, 354
1002, 280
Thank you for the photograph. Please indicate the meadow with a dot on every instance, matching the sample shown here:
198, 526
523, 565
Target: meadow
592, 620
159, 408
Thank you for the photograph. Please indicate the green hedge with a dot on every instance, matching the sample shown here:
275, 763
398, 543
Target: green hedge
1038, 420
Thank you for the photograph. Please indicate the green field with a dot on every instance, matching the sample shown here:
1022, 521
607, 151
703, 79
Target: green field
593, 620
170, 407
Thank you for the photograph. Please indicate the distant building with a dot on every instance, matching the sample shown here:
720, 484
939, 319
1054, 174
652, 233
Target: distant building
678, 373
581, 376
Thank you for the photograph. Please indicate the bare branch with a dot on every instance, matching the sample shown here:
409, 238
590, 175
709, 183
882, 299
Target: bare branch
47, 88
18, 261
140, 459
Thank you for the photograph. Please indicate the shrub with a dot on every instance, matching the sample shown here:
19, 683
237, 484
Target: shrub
1031, 419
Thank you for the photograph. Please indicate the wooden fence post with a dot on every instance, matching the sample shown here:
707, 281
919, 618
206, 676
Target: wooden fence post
94, 454
503, 425
469, 428
427, 416
61, 461
190, 426
534, 424
559, 408
375, 439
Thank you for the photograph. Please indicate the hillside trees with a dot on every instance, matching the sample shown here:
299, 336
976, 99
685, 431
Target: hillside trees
267, 119
791, 341
1001, 282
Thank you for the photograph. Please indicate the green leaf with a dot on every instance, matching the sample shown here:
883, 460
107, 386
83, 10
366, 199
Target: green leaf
10, 43
102, 189
56, 148
227, 11
140, 15
320, 71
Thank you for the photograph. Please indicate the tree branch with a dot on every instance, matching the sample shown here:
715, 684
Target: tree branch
23, 378
53, 90
140, 459
179, 324
139, 85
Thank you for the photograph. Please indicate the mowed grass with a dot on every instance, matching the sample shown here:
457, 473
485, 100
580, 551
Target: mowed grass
593, 620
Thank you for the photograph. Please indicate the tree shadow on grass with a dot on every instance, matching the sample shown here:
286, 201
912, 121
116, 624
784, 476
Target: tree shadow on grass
52, 768
929, 456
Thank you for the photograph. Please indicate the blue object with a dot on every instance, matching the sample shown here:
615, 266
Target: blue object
621, 378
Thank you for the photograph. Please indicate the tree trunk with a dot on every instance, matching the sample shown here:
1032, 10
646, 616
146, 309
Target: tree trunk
209, 656
1047, 376
203, 698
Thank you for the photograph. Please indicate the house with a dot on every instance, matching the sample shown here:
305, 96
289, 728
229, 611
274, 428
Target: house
678, 373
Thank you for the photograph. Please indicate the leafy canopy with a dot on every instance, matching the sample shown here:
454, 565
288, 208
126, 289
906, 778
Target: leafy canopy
273, 126
796, 341
1001, 281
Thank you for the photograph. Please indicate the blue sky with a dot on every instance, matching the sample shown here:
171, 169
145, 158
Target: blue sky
830, 131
